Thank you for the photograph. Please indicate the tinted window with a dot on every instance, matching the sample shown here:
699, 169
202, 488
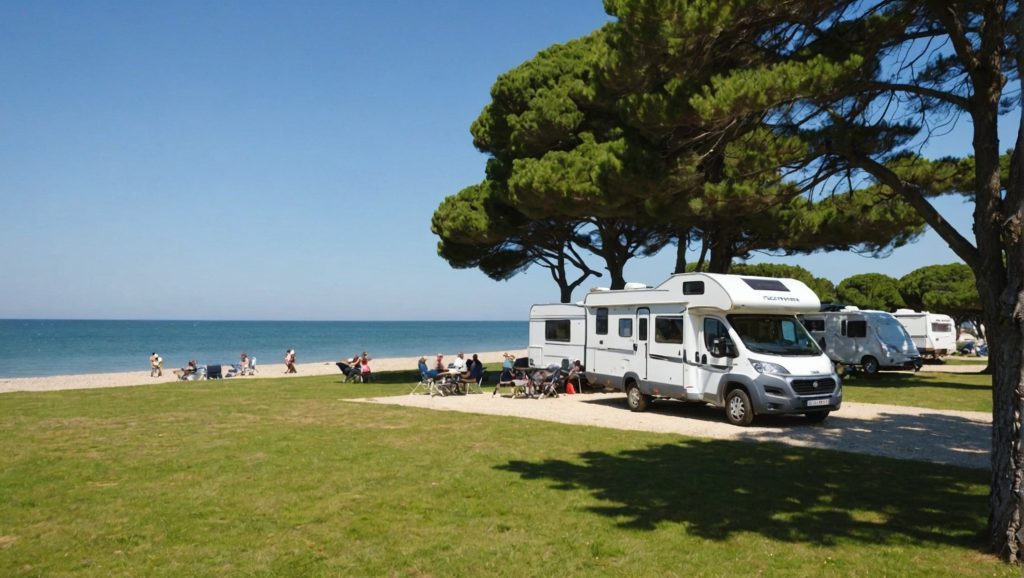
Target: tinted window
713, 329
601, 321
693, 287
668, 329
641, 330
857, 329
814, 324
625, 328
766, 284
942, 328
557, 330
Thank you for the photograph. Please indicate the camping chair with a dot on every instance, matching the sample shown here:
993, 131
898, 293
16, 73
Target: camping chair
547, 384
351, 373
425, 383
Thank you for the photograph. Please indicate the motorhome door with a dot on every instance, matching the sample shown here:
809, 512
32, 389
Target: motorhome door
854, 329
665, 368
640, 341
714, 361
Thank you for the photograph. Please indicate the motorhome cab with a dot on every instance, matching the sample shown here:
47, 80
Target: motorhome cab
731, 341
933, 334
872, 340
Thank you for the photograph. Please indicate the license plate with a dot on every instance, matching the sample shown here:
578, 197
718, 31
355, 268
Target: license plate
816, 402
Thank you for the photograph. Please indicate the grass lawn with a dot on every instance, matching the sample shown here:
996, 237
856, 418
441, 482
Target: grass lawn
935, 390
982, 361
284, 477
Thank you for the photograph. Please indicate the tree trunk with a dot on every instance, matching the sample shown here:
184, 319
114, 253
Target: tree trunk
683, 241
721, 253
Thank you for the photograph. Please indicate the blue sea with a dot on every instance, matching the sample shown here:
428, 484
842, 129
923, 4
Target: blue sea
37, 347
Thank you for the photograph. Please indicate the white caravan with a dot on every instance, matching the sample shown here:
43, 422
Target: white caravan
934, 334
557, 333
732, 341
872, 340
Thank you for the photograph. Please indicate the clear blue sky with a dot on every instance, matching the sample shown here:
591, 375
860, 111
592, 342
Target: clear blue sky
271, 160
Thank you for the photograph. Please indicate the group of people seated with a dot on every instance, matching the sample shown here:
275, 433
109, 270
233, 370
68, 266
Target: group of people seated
539, 383
459, 371
193, 371
357, 369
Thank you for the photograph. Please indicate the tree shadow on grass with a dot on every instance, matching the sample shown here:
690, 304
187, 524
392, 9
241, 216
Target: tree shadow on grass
719, 488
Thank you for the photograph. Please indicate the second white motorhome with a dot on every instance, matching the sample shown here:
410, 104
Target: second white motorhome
731, 341
934, 334
871, 340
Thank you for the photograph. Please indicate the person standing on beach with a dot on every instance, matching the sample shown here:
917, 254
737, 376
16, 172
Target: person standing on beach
289, 361
156, 365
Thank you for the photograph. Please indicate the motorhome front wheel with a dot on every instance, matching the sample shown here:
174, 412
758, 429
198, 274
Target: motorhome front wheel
738, 409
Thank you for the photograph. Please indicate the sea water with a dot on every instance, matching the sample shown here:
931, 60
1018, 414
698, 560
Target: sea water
61, 347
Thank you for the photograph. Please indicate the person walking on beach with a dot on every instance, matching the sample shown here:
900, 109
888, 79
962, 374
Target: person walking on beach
156, 365
289, 361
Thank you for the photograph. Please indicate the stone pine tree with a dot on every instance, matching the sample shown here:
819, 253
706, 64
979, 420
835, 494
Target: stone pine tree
862, 83
476, 230
870, 291
948, 289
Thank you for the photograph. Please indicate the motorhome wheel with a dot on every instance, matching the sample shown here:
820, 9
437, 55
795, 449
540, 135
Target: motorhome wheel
870, 365
737, 408
637, 401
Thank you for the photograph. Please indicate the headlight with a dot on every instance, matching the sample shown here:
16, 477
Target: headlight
769, 368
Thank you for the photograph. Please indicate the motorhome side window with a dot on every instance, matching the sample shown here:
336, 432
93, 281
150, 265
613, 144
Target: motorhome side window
641, 329
601, 321
668, 329
625, 327
942, 328
856, 328
814, 324
693, 287
557, 330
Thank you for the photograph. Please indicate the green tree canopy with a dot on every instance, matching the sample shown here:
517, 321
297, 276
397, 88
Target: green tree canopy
948, 289
870, 291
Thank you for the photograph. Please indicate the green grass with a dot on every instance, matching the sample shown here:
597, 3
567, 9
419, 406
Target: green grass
284, 477
934, 390
981, 361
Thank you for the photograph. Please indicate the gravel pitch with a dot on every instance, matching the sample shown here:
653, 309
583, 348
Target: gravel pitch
959, 438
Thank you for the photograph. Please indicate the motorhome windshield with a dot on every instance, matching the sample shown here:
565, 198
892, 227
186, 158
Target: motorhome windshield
892, 333
774, 334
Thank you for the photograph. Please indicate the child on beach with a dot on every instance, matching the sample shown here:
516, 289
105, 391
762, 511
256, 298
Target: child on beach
289, 361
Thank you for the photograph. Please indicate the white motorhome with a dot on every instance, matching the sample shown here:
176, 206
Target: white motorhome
934, 334
871, 340
732, 341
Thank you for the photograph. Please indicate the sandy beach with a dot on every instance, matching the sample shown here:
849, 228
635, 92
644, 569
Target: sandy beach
139, 378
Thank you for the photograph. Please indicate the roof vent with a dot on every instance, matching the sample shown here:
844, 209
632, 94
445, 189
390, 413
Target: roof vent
636, 286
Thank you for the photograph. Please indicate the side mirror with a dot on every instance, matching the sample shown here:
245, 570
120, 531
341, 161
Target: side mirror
722, 347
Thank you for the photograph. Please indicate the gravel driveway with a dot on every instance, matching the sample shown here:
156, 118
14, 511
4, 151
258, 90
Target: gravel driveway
960, 438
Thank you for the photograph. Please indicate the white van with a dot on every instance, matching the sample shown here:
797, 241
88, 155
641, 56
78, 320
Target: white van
934, 334
732, 341
871, 340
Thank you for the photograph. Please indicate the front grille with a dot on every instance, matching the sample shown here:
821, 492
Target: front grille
814, 386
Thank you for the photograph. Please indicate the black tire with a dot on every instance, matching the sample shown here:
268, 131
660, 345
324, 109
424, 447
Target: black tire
738, 409
636, 400
816, 416
870, 365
